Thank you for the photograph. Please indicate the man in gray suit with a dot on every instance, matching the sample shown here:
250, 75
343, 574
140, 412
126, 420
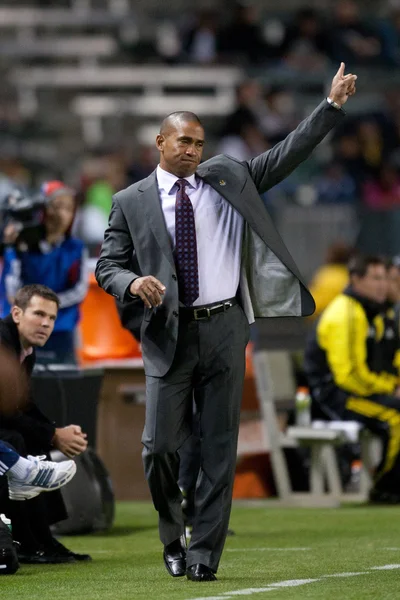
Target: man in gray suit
194, 244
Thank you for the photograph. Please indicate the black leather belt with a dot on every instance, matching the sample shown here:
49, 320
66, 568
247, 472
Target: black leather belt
200, 313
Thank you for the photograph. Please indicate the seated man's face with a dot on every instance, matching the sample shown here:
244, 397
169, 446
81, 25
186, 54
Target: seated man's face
374, 285
36, 323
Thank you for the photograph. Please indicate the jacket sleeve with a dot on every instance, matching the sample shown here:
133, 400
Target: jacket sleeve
32, 424
396, 361
112, 271
76, 294
344, 339
271, 167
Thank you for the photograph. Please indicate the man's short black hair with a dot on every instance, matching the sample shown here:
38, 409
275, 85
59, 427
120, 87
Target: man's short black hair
26, 293
180, 116
358, 264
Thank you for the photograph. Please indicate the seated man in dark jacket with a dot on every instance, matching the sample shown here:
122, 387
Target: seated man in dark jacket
343, 373
30, 324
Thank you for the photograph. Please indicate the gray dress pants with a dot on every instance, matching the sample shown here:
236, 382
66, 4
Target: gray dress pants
209, 365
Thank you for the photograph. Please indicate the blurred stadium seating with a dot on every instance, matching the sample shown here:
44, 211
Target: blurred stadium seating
86, 76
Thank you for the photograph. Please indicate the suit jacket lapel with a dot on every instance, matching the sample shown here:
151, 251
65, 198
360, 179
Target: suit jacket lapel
252, 209
155, 217
231, 189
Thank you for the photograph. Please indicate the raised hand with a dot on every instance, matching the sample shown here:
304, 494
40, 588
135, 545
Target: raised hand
343, 86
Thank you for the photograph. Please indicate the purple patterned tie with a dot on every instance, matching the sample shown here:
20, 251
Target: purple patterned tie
185, 246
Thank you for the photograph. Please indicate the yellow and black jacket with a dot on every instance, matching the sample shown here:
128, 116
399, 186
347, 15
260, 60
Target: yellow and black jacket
342, 356
388, 358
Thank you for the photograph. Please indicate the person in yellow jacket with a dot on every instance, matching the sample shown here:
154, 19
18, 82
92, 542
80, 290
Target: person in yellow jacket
332, 277
340, 364
388, 355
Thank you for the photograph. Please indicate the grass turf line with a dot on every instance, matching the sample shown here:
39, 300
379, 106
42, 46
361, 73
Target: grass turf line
128, 561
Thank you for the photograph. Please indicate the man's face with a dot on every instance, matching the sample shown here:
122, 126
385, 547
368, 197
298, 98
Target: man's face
36, 323
374, 284
181, 148
394, 284
60, 213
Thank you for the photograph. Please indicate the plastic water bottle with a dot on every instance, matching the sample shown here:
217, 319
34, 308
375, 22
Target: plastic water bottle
6, 521
303, 407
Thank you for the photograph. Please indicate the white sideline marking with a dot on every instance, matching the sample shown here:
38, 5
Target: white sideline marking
293, 583
385, 568
347, 574
266, 549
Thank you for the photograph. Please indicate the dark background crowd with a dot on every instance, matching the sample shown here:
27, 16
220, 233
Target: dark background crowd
275, 61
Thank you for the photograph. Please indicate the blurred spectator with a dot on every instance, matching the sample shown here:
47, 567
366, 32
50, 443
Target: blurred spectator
249, 106
340, 366
93, 218
242, 40
13, 169
388, 351
391, 38
353, 41
332, 277
372, 144
306, 43
383, 193
335, 185
347, 151
56, 260
394, 281
280, 115
246, 144
200, 42
144, 163
242, 135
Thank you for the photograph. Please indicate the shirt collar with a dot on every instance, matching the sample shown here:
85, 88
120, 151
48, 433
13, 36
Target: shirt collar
166, 181
25, 353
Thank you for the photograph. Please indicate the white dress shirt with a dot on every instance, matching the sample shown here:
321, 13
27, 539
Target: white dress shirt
219, 232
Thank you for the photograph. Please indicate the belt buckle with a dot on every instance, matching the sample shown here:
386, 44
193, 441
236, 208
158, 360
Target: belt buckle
227, 305
197, 317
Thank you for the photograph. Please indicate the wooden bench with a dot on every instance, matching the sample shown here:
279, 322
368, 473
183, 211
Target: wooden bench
274, 382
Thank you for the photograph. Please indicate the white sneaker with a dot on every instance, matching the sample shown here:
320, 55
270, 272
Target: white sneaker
45, 476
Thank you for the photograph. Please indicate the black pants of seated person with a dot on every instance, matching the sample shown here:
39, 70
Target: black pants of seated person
31, 519
381, 415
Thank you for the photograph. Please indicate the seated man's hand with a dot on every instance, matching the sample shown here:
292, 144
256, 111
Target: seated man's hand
11, 233
70, 440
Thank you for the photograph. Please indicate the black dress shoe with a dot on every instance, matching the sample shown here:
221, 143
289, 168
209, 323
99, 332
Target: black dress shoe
60, 549
175, 558
200, 572
42, 557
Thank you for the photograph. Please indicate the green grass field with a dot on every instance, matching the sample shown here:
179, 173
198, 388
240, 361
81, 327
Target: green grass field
271, 545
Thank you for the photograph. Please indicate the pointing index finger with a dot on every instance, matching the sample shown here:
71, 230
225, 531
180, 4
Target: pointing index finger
341, 69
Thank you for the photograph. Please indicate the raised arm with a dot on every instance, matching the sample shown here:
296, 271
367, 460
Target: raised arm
271, 167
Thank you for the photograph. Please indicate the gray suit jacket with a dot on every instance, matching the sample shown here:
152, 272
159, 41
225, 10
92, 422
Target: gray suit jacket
136, 241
